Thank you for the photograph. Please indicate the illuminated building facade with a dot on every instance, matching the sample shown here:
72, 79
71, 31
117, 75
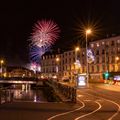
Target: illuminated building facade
106, 52
107, 58
48, 66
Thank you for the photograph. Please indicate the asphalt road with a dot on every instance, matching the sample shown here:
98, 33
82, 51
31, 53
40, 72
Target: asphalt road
93, 104
97, 104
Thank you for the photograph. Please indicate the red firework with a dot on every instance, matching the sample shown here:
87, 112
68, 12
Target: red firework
45, 33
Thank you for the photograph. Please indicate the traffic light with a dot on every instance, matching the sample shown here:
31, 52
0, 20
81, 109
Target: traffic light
106, 75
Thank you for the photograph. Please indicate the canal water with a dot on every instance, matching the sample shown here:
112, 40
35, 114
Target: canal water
33, 94
29, 95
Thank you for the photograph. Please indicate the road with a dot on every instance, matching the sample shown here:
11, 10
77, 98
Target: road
95, 103
98, 103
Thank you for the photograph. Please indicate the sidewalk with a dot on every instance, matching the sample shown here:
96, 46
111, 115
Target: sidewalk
101, 85
106, 86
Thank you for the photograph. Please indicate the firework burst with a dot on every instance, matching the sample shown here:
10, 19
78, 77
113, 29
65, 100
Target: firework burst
35, 53
45, 33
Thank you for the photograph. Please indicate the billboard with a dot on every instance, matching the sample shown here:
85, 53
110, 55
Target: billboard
81, 80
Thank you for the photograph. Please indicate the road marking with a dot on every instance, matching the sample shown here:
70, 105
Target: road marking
111, 102
117, 110
90, 112
87, 100
79, 95
83, 105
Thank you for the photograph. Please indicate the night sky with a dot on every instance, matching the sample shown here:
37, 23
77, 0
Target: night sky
17, 20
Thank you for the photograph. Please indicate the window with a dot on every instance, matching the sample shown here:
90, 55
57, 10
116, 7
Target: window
69, 60
83, 54
97, 59
65, 54
103, 67
97, 44
92, 45
118, 50
63, 62
107, 44
118, 41
113, 59
66, 60
74, 59
92, 69
97, 68
103, 51
97, 52
103, 59
107, 59
43, 57
103, 43
83, 61
112, 43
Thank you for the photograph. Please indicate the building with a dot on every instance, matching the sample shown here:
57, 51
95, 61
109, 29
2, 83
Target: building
107, 59
48, 66
107, 55
18, 72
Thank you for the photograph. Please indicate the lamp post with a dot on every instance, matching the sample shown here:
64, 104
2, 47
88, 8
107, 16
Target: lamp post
76, 61
87, 32
57, 69
76, 50
76, 64
1, 63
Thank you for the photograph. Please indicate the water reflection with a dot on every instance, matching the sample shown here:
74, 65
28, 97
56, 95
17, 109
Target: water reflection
35, 98
31, 95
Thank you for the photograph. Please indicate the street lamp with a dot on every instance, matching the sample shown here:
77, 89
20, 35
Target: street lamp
1, 63
76, 64
76, 50
87, 32
117, 58
76, 59
57, 61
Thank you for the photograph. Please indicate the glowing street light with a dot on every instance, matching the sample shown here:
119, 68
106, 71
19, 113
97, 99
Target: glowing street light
1, 63
76, 64
87, 32
117, 58
57, 59
57, 64
76, 50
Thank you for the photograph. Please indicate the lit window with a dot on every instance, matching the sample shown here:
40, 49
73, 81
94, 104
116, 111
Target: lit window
98, 45
118, 41
107, 43
92, 45
103, 43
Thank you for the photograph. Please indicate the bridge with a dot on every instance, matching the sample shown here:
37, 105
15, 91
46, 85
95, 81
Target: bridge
19, 80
